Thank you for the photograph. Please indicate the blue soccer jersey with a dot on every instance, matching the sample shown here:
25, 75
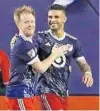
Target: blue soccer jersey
23, 54
55, 79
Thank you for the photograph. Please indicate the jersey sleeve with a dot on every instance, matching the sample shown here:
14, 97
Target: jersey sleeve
27, 53
13, 41
78, 53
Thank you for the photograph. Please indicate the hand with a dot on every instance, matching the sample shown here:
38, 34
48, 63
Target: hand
60, 50
88, 80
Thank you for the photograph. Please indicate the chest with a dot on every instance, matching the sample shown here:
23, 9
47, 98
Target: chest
47, 44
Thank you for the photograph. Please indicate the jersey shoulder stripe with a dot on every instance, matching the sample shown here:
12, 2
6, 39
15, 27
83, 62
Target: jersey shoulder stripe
70, 36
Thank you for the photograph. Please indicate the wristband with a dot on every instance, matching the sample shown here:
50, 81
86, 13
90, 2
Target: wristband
89, 73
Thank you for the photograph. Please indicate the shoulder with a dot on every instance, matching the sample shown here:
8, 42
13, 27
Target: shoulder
43, 33
22, 44
70, 36
73, 39
17, 41
13, 41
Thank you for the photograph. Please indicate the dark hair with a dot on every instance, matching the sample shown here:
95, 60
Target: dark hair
57, 7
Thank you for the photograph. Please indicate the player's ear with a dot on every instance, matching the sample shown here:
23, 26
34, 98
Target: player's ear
18, 25
65, 19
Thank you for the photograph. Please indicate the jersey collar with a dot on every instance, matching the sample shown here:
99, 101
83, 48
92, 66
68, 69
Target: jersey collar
54, 36
26, 38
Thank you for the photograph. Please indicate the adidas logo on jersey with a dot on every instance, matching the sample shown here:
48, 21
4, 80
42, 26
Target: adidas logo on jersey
48, 44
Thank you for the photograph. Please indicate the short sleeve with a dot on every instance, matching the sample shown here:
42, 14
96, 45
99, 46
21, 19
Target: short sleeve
26, 52
78, 50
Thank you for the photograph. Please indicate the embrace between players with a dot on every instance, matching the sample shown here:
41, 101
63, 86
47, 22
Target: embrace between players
40, 63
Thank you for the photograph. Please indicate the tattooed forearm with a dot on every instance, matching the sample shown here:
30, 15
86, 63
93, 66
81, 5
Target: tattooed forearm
84, 67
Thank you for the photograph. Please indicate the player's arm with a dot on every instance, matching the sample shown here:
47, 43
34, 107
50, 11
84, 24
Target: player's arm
85, 68
42, 66
39, 66
83, 65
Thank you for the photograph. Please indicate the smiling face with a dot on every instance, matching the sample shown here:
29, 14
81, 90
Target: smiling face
56, 19
26, 24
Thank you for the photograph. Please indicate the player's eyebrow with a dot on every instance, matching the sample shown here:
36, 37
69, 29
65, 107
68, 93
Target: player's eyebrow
50, 16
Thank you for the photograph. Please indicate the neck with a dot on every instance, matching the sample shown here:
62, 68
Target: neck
58, 34
20, 33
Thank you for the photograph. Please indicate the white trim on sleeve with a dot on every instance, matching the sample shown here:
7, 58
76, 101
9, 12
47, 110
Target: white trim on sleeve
80, 58
34, 60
